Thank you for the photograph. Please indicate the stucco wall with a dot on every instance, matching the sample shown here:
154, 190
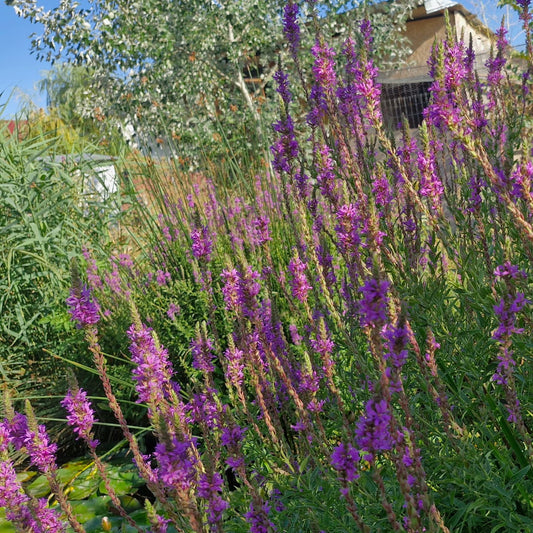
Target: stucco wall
424, 32
480, 41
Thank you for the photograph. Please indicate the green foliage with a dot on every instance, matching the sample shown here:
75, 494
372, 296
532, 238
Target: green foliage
189, 65
88, 494
44, 220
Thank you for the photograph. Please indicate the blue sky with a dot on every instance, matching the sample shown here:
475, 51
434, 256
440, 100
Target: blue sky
20, 71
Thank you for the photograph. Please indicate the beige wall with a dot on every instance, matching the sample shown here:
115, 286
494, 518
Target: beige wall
423, 33
480, 42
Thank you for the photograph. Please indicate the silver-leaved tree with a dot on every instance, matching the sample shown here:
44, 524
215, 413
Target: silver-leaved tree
181, 67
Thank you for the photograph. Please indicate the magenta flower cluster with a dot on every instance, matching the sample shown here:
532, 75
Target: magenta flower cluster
83, 307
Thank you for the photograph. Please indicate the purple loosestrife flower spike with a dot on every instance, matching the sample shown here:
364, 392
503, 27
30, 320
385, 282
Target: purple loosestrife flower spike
177, 464
299, 282
24, 513
344, 460
285, 150
83, 307
154, 370
209, 488
495, 64
349, 229
173, 310
235, 370
506, 310
430, 184
80, 415
240, 291
324, 68
397, 340
38, 446
203, 409
95, 281
365, 75
326, 175
373, 432
258, 519
373, 305
291, 29
12, 497
202, 244
232, 437
202, 352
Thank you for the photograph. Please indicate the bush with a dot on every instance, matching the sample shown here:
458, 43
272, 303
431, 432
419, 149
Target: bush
343, 349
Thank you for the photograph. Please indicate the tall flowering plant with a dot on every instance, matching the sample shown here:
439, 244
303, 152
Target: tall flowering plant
363, 319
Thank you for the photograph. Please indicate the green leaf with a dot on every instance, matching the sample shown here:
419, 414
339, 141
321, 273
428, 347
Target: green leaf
86, 510
123, 480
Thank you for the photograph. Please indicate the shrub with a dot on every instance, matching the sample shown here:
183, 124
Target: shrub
358, 358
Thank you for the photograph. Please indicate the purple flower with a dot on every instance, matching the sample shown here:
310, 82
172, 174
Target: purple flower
240, 290
326, 175
12, 497
508, 271
299, 283
202, 353
345, 459
319, 105
177, 464
4, 436
202, 244
126, 261
362, 92
506, 310
382, 191
49, 519
235, 371
324, 68
430, 184
209, 487
24, 513
232, 290
495, 64
113, 280
80, 415
454, 65
505, 367
283, 86
154, 370
260, 232
285, 150
258, 519
397, 340
92, 270
18, 430
373, 305
203, 409
373, 432
291, 29
232, 436
40, 450
83, 308
173, 310
349, 229
163, 278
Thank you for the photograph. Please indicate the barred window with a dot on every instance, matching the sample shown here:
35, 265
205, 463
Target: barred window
399, 100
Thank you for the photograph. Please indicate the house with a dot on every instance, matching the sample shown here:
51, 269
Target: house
405, 91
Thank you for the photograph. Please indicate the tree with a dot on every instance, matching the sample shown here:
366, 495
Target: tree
184, 63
